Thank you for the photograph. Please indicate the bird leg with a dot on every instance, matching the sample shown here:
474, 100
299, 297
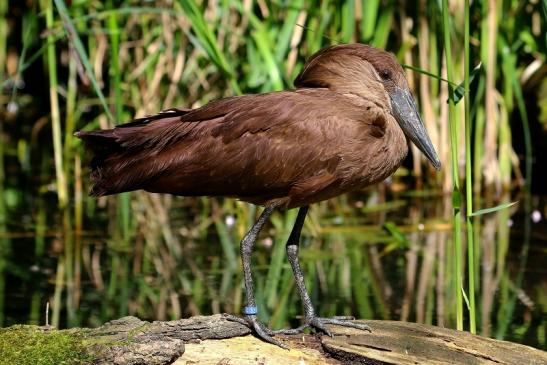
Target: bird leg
310, 319
246, 248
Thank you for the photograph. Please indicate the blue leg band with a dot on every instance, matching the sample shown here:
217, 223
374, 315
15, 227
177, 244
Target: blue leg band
250, 310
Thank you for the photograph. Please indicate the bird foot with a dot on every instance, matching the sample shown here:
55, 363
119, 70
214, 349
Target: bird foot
318, 324
258, 328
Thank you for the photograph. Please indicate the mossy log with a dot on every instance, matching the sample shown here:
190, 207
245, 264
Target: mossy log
214, 340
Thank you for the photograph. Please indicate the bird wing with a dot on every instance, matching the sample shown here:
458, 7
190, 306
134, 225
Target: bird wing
256, 147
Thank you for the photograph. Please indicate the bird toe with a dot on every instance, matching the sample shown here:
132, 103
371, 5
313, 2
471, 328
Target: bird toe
258, 328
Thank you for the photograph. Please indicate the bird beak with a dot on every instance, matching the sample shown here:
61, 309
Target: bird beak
406, 114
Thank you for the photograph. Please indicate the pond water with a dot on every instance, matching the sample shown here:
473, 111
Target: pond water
379, 254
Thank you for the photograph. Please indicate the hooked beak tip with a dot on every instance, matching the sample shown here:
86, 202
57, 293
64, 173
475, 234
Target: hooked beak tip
437, 165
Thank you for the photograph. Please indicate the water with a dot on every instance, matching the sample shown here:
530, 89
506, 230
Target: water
372, 255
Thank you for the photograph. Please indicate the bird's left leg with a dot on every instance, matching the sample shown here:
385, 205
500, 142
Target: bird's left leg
311, 320
250, 310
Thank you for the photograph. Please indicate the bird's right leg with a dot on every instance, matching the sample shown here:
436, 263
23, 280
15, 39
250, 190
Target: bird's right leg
311, 320
250, 310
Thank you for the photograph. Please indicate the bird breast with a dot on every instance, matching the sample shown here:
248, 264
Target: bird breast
379, 161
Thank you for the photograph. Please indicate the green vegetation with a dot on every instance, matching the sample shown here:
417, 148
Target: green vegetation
456, 194
394, 251
31, 345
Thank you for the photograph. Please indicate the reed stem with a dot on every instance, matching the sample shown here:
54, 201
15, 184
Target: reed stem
62, 189
456, 195
469, 179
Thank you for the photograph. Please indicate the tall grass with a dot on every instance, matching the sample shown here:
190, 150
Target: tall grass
109, 62
62, 193
469, 178
454, 162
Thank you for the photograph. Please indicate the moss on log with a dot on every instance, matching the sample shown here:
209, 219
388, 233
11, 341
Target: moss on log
214, 340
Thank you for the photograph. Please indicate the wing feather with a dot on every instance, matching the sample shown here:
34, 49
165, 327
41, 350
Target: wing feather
257, 147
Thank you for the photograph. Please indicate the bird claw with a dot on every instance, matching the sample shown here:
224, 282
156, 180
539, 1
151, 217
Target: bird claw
318, 324
341, 321
258, 328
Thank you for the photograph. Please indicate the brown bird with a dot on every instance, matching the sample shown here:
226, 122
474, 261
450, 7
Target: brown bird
343, 128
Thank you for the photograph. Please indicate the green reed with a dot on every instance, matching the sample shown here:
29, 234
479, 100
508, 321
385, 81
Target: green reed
122, 200
61, 183
456, 195
206, 39
47, 7
469, 179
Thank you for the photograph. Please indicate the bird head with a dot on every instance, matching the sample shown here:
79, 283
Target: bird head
359, 69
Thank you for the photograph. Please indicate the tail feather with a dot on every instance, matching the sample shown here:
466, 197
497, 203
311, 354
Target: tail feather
114, 150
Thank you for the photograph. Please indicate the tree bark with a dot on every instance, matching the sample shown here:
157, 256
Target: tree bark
214, 340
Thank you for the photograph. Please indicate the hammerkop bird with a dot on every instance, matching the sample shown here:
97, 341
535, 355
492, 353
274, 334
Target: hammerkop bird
344, 127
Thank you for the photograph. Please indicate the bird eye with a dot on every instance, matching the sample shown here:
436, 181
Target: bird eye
385, 74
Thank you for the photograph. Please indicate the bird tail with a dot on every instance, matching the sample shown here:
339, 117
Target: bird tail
116, 152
